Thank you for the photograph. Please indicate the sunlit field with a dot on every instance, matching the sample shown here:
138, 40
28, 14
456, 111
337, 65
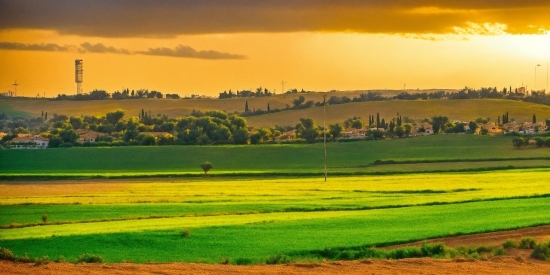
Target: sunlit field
141, 220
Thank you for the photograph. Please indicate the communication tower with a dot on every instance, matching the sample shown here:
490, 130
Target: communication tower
78, 74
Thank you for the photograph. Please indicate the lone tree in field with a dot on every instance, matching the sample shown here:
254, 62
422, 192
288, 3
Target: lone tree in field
44, 218
206, 166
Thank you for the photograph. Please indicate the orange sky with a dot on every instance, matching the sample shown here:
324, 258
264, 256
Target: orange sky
206, 47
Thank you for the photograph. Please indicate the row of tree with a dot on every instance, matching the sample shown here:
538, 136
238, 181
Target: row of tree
124, 94
260, 92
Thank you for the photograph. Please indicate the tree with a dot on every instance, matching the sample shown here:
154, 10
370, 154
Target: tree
68, 135
240, 136
438, 123
301, 99
307, 130
399, 131
206, 166
114, 117
473, 126
76, 122
335, 130
539, 141
246, 107
518, 142
408, 128
534, 118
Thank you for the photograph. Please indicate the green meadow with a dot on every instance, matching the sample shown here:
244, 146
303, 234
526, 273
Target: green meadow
289, 159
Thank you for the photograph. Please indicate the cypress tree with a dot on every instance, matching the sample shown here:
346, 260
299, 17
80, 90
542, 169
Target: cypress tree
42, 113
46, 116
268, 107
246, 107
534, 118
378, 120
383, 124
142, 113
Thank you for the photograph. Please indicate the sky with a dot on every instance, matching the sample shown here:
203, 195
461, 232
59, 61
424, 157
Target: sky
206, 47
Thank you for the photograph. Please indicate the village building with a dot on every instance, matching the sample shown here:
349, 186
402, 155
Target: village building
88, 135
492, 129
28, 142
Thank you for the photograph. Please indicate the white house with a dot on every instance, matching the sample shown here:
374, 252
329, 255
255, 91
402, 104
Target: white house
30, 142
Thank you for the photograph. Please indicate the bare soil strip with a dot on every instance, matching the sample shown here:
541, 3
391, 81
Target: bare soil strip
517, 261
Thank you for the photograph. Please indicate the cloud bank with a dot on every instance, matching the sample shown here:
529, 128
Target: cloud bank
164, 18
180, 51
186, 51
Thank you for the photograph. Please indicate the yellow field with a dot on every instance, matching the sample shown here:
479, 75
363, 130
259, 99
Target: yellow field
372, 190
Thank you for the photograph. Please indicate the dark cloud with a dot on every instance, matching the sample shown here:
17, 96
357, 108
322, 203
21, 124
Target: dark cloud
100, 48
138, 18
86, 47
34, 47
188, 52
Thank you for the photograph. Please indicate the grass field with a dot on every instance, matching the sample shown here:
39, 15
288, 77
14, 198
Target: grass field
454, 109
346, 157
253, 219
262, 201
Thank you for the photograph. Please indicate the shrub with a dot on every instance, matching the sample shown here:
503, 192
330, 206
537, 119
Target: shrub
44, 218
60, 259
527, 243
405, 252
475, 255
542, 251
185, 233
6, 254
224, 261
278, 259
435, 249
86, 258
510, 243
499, 251
243, 261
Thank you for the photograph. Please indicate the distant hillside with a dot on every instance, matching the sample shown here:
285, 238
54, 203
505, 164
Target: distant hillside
468, 109
454, 109
170, 107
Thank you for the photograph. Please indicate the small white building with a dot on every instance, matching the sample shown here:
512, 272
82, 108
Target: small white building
31, 142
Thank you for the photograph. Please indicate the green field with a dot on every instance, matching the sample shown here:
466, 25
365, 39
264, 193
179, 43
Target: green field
254, 219
343, 157
266, 200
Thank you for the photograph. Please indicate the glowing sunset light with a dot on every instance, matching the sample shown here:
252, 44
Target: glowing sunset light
207, 47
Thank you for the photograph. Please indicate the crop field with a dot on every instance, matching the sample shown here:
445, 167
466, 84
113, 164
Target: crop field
247, 220
290, 159
419, 109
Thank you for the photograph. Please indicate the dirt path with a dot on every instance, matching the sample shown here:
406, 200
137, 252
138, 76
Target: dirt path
516, 262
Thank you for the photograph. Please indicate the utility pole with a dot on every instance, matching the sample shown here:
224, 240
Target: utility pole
325, 133
283, 84
15, 84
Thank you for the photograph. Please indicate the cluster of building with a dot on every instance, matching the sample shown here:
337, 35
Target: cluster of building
27, 141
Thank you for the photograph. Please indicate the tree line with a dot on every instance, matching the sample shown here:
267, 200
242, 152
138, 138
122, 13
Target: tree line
98, 94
